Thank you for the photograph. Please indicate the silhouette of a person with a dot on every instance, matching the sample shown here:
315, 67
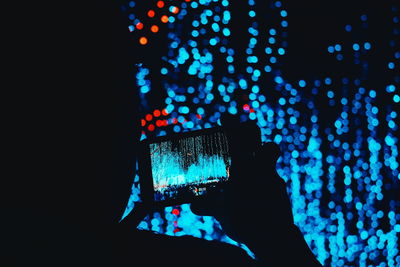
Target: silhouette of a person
254, 208
76, 160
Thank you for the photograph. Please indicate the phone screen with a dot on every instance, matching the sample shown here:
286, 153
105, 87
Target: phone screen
190, 166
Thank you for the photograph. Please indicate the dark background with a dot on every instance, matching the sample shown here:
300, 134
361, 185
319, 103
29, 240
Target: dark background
70, 116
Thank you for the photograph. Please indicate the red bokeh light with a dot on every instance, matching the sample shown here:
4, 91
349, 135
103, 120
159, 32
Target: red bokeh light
139, 26
151, 13
151, 127
149, 117
175, 10
143, 122
246, 107
160, 4
154, 28
156, 113
164, 19
159, 123
198, 116
175, 212
164, 112
143, 40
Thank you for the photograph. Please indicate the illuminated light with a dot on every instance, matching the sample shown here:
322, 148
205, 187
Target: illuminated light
226, 32
156, 113
344, 252
151, 127
175, 212
139, 26
198, 116
151, 13
271, 40
164, 19
372, 93
143, 40
174, 9
363, 17
154, 28
149, 117
159, 123
160, 4
390, 88
213, 41
246, 107
143, 122
164, 112
195, 33
195, 5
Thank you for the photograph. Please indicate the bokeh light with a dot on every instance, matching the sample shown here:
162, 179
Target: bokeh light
338, 133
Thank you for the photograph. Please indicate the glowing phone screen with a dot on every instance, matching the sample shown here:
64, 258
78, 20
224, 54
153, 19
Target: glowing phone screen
189, 166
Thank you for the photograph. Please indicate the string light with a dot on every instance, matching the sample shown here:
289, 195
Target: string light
160, 4
154, 28
151, 13
143, 40
164, 19
139, 26
338, 167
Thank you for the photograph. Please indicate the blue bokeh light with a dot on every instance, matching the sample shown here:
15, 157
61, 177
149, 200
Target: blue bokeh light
348, 155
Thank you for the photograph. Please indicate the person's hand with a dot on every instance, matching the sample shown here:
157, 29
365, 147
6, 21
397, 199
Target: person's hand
254, 208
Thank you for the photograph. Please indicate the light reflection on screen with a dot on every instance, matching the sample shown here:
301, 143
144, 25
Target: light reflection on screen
190, 166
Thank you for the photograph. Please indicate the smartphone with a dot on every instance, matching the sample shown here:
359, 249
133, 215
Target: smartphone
180, 168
